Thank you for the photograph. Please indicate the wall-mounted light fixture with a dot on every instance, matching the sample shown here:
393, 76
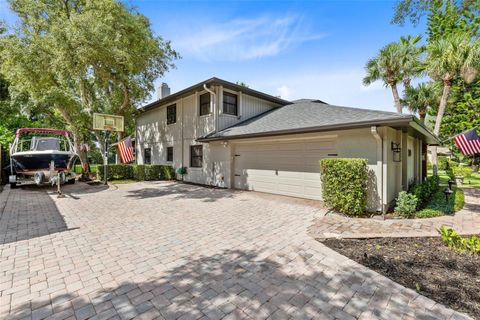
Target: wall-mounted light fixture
396, 152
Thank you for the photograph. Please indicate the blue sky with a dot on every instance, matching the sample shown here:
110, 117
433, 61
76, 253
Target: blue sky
295, 49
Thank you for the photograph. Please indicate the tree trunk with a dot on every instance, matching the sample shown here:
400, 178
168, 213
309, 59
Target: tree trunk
422, 116
396, 97
82, 155
438, 121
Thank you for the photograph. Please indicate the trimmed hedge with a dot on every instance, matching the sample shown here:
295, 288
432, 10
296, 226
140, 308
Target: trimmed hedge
138, 172
344, 184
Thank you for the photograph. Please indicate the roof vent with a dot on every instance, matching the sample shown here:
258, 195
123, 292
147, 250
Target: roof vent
163, 91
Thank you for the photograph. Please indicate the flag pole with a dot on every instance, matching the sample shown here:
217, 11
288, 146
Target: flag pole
458, 134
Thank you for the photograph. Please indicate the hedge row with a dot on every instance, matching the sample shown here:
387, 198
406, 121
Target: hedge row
138, 172
344, 184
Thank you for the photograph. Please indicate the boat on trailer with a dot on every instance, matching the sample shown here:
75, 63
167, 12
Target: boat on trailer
42, 155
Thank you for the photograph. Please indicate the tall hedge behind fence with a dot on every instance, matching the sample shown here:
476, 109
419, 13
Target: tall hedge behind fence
138, 172
344, 184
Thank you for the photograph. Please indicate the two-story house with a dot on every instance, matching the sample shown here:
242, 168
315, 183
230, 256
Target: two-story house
231, 136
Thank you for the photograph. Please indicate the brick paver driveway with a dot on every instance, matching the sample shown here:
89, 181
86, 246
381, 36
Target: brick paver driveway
166, 250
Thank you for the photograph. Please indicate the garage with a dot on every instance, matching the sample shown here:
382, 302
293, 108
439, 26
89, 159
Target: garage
282, 167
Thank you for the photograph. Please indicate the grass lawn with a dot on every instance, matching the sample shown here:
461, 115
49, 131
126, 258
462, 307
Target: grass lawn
123, 181
473, 181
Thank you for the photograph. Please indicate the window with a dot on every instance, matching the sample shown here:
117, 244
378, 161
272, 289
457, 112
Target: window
230, 103
196, 156
169, 154
205, 104
147, 156
172, 114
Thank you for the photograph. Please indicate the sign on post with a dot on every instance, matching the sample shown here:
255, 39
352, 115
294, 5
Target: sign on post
107, 123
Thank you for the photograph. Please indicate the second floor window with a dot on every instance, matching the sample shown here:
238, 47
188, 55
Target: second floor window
205, 104
172, 114
169, 154
230, 105
147, 156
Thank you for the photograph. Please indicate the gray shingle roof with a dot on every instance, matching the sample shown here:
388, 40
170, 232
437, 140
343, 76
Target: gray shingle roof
306, 115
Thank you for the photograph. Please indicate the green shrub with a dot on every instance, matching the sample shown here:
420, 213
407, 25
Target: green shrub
442, 162
344, 184
78, 168
439, 203
455, 241
137, 172
424, 191
451, 237
465, 172
453, 164
406, 204
116, 172
429, 213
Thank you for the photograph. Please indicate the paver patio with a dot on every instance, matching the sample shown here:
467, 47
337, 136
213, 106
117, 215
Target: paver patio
168, 250
465, 222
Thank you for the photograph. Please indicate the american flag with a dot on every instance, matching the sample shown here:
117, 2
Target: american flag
125, 150
468, 142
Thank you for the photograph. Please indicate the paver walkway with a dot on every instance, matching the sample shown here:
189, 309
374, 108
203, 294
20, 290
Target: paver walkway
466, 222
173, 251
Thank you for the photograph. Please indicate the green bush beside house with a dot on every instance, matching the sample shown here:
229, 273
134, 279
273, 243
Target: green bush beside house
137, 172
344, 184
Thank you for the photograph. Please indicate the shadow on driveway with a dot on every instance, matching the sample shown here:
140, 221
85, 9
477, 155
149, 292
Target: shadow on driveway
181, 191
29, 213
233, 282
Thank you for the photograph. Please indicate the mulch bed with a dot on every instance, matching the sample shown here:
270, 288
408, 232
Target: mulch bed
426, 265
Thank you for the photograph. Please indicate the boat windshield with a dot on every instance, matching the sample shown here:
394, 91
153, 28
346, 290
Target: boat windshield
42, 144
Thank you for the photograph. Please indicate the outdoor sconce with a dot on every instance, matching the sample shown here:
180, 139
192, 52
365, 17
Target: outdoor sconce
447, 193
396, 152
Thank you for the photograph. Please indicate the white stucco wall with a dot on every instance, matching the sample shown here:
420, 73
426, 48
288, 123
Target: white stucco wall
153, 132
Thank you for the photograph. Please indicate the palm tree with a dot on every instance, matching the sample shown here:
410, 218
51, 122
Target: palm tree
418, 99
411, 55
449, 58
386, 66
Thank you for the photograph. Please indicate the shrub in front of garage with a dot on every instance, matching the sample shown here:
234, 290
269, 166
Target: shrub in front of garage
138, 172
344, 184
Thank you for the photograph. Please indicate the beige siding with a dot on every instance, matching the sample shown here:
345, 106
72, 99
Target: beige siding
299, 155
154, 133
248, 107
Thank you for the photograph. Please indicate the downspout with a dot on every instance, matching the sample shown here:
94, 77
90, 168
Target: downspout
183, 142
213, 106
379, 140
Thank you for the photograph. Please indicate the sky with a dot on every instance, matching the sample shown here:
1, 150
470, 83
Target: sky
292, 49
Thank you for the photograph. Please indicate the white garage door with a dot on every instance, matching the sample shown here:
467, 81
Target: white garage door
289, 168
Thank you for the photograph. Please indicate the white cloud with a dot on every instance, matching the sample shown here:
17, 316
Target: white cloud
242, 39
285, 92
